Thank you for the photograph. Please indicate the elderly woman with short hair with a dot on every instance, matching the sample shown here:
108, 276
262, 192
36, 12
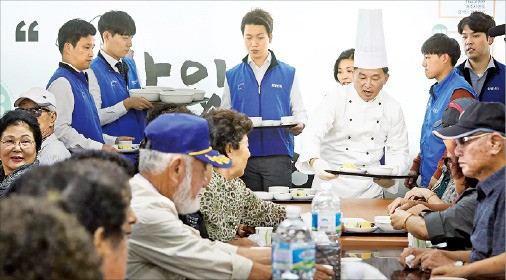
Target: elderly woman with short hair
20, 140
226, 202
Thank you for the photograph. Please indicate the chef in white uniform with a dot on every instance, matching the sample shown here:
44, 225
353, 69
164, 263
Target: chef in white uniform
358, 123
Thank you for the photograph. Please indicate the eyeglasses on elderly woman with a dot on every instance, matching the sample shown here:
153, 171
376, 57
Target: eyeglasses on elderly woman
10, 143
36, 112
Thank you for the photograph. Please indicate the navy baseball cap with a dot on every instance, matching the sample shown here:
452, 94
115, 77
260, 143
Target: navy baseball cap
180, 133
452, 114
480, 117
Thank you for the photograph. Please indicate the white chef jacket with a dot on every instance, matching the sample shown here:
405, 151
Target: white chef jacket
346, 129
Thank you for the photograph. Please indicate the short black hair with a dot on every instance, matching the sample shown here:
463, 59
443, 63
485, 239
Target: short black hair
39, 241
116, 22
73, 30
95, 194
477, 22
347, 54
16, 117
441, 44
119, 159
258, 16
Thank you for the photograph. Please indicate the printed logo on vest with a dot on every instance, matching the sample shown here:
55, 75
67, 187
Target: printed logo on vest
276, 86
240, 86
493, 88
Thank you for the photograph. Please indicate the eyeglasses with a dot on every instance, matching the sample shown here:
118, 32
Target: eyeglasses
36, 112
463, 140
22, 143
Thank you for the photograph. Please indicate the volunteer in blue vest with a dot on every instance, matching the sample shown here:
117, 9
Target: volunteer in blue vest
77, 125
440, 54
262, 86
354, 124
112, 74
481, 70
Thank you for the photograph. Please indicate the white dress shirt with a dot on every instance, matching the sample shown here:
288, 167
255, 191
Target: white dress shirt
296, 105
108, 114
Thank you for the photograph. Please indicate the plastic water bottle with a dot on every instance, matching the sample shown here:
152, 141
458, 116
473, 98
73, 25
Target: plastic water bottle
293, 250
326, 227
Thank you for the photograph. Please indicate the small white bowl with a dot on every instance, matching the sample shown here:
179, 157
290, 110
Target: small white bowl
310, 191
380, 170
257, 121
148, 94
264, 195
198, 94
176, 97
267, 122
288, 120
385, 225
282, 196
158, 88
279, 189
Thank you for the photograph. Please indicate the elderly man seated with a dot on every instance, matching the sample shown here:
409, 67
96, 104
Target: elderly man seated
174, 164
42, 105
479, 135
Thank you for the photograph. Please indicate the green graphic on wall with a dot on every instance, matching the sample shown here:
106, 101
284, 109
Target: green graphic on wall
439, 28
5, 100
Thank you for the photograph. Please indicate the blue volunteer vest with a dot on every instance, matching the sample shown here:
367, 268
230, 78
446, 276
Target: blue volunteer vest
431, 147
270, 100
113, 90
494, 87
84, 116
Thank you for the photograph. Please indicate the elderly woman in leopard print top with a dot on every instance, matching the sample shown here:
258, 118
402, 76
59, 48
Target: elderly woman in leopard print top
226, 202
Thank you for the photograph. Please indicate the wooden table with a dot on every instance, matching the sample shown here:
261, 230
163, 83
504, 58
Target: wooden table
365, 208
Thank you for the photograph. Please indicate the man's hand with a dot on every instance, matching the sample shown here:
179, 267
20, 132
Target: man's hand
244, 230
398, 218
411, 182
123, 138
137, 103
415, 210
107, 147
296, 130
323, 272
448, 270
384, 183
412, 251
396, 203
418, 192
434, 258
319, 166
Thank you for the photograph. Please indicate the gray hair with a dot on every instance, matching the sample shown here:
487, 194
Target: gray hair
155, 162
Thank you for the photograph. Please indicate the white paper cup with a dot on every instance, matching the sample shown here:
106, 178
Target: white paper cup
264, 235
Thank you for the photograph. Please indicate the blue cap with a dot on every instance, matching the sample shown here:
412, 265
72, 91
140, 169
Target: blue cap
183, 134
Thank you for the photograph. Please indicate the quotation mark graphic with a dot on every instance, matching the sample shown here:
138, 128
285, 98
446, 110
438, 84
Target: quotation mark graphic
33, 36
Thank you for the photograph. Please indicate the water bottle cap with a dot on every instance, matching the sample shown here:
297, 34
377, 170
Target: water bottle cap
292, 211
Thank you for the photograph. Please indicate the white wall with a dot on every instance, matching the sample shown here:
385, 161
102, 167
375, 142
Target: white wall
308, 35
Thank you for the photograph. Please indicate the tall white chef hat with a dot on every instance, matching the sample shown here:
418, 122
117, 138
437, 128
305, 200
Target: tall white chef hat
370, 52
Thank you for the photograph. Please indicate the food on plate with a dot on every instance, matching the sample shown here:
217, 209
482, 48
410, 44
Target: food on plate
298, 192
358, 224
349, 166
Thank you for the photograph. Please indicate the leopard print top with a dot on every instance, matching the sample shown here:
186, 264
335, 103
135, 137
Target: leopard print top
226, 204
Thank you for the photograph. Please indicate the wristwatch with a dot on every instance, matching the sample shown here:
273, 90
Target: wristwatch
458, 263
